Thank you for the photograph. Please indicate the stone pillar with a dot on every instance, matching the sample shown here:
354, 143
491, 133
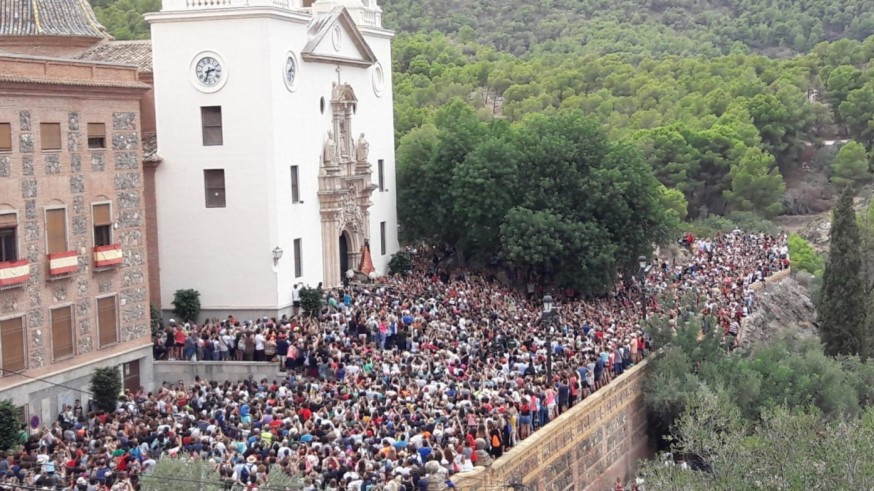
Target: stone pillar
330, 252
152, 253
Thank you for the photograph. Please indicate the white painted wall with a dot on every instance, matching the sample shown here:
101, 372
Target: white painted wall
225, 253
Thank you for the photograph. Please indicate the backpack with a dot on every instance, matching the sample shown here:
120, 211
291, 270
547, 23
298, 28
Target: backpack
245, 473
496, 442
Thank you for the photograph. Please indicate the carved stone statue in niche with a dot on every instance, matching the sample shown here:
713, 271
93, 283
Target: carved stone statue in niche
330, 152
362, 149
344, 140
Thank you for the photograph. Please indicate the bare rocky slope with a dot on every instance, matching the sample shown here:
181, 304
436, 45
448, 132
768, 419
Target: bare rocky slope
782, 305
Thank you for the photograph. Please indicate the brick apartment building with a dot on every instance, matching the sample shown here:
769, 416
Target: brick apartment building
73, 276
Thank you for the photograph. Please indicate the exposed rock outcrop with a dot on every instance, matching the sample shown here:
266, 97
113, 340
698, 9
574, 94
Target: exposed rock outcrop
781, 305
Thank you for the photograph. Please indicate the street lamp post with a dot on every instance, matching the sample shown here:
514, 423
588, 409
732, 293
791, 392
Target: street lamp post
642, 262
547, 320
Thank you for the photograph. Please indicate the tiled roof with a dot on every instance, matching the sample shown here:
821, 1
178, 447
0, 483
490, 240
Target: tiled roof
73, 18
24, 79
138, 53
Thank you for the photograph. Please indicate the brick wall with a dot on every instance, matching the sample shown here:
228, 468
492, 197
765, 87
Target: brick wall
74, 177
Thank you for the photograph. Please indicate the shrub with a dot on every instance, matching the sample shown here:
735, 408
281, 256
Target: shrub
106, 387
9, 425
186, 304
803, 256
746, 221
806, 199
155, 320
311, 300
400, 263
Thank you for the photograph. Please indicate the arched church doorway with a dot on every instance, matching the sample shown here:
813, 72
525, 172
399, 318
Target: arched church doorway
344, 256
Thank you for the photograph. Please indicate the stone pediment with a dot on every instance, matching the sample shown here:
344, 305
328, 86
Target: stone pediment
334, 38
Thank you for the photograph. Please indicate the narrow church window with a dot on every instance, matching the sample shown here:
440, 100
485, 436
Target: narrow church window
211, 120
214, 184
298, 262
382, 238
322, 105
295, 186
381, 171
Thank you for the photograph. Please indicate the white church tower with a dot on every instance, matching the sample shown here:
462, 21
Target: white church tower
275, 126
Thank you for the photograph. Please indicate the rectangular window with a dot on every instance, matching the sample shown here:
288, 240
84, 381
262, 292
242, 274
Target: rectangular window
381, 170
56, 230
107, 321
12, 340
5, 137
62, 333
96, 135
382, 238
102, 224
295, 186
50, 136
211, 121
214, 184
298, 262
8, 237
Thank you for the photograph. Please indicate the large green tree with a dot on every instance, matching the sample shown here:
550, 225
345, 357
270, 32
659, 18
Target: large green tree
850, 165
756, 184
548, 195
841, 307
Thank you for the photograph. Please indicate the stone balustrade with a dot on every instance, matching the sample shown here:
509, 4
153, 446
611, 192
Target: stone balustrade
171, 5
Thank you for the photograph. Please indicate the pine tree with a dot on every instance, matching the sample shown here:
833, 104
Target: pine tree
841, 311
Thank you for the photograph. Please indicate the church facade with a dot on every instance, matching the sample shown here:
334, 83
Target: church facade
276, 135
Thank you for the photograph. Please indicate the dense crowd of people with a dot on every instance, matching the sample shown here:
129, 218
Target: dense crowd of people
426, 369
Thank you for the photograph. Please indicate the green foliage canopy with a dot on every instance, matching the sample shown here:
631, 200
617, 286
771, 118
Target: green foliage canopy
548, 194
105, 388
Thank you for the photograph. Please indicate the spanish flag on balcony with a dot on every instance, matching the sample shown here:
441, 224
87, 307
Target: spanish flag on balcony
366, 265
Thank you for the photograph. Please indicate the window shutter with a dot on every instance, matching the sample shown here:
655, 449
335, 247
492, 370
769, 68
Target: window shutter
106, 321
5, 136
102, 215
12, 339
62, 332
8, 220
50, 136
96, 130
56, 230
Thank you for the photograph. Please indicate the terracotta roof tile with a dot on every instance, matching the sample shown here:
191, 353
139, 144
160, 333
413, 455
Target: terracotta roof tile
73, 18
138, 53
72, 82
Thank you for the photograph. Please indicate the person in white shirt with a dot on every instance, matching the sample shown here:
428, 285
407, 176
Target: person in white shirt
260, 345
295, 298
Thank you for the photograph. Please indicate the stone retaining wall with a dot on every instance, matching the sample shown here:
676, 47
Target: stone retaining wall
233, 371
584, 449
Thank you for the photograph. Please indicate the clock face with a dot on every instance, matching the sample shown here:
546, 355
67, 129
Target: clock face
208, 71
290, 70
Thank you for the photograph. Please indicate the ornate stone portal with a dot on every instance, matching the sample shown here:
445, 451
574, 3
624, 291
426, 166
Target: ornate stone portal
345, 188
